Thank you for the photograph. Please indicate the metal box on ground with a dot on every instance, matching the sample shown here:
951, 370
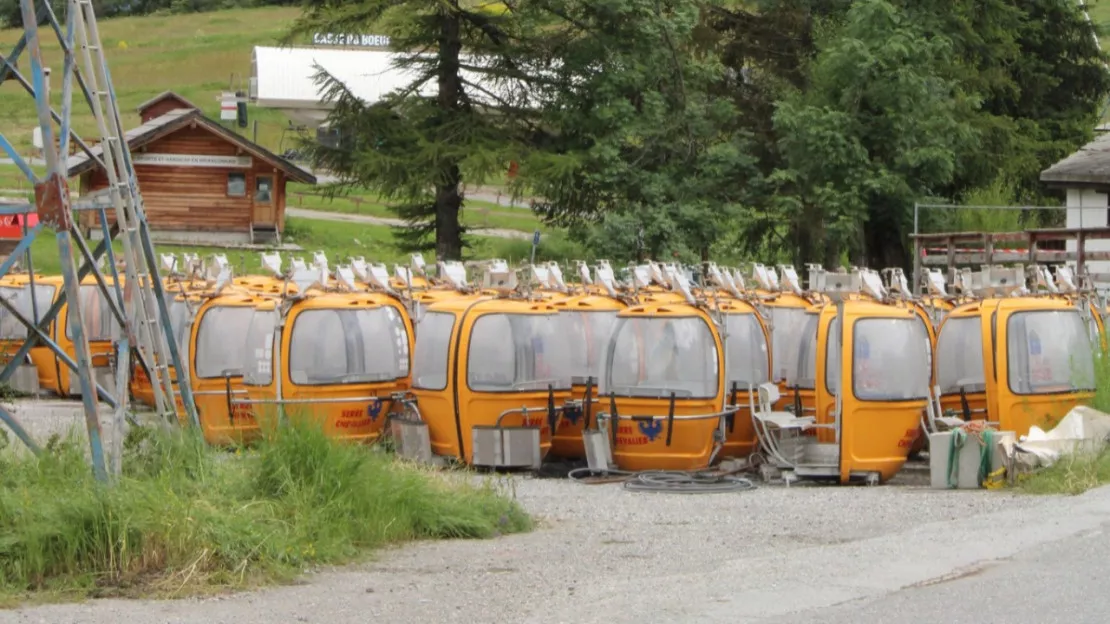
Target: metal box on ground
599, 453
967, 466
506, 447
792, 444
25, 380
102, 375
411, 439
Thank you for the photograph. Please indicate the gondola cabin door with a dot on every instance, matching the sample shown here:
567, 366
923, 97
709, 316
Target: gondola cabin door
435, 357
512, 369
884, 372
748, 362
961, 354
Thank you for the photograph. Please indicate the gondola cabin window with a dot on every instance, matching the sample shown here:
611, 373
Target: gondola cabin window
433, 340
890, 359
587, 334
960, 356
518, 353
19, 297
788, 326
746, 347
803, 373
1049, 351
99, 324
260, 348
652, 357
220, 347
348, 346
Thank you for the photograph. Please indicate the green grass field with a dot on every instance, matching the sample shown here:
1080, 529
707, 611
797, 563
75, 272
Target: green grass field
339, 241
196, 55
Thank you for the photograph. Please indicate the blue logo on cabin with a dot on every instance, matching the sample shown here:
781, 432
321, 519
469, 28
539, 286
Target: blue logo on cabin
651, 428
374, 409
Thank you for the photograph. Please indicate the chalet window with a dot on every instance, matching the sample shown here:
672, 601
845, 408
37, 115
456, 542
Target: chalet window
264, 186
236, 185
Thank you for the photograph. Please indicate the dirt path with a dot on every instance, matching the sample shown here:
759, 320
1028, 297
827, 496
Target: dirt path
603, 554
369, 220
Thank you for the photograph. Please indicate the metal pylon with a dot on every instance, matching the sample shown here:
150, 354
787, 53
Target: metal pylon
138, 302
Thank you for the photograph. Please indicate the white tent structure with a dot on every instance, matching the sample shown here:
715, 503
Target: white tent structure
284, 79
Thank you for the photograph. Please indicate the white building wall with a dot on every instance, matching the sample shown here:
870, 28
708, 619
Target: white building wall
1088, 208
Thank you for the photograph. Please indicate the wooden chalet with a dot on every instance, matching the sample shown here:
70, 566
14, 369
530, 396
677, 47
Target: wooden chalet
161, 104
201, 182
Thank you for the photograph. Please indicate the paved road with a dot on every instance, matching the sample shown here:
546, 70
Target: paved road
1060, 581
370, 220
795, 555
480, 193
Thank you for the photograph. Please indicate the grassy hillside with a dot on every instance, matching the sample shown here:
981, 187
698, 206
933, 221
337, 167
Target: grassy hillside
197, 55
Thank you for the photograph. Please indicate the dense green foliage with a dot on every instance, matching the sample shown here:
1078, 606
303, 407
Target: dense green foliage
800, 130
184, 516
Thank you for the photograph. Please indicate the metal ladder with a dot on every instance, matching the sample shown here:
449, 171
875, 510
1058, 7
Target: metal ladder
144, 301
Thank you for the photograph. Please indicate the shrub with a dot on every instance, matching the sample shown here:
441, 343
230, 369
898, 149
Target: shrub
183, 517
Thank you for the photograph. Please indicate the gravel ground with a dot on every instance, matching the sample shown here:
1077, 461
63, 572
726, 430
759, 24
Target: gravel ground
601, 553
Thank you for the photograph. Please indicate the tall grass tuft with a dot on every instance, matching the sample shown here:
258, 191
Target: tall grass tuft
183, 517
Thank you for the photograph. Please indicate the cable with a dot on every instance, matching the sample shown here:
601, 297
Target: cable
677, 482
588, 476
674, 481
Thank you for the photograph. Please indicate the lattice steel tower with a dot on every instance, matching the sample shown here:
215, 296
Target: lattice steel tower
136, 298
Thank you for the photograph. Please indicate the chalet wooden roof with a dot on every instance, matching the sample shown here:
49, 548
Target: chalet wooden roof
164, 96
177, 119
1089, 166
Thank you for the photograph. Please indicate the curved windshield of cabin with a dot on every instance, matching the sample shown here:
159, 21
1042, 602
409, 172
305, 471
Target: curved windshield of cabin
960, 356
788, 326
99, 324
1048, 351
803, 373
348, 346
518, 353
433, 341
587, 333
219, 348
19, 297
746, 347
890, 359
653, 357
259, 347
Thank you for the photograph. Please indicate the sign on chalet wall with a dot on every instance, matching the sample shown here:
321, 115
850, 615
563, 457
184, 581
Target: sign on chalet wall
191, 160
347, 39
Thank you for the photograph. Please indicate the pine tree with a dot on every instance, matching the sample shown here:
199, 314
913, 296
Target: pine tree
457, 118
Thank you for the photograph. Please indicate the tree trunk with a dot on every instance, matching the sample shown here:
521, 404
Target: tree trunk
448, 202
448, 197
